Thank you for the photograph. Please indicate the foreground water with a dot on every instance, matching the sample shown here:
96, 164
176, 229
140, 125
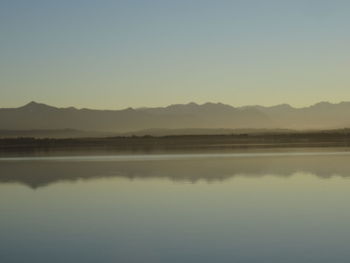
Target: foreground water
251, 207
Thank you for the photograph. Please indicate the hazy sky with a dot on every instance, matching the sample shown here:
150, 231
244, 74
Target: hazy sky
115, 54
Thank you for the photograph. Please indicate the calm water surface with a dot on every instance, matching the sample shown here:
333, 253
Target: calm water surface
251, 207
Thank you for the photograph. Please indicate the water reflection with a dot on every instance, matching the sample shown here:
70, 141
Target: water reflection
130, 211
42, 172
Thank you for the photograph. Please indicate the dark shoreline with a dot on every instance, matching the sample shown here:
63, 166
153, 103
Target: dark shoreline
176, 143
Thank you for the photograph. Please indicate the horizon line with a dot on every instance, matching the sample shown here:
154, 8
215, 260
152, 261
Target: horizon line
178, 104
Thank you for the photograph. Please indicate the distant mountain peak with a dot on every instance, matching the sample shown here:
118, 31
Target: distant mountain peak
208, 106
36, 106
32, 103
191, 104
282, 106
322, 104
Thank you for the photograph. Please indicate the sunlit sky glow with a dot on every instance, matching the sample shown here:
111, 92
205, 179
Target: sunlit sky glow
116, 54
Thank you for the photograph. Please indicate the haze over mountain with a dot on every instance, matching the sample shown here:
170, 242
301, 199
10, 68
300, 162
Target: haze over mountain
38, 116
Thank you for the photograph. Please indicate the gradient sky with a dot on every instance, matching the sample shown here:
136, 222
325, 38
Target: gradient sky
116, 54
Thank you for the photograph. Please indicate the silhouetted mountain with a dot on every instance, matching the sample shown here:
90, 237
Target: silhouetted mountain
41, 116
323, 115
37, 116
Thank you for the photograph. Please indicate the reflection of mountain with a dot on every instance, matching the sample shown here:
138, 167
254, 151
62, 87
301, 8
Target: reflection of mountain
39, 117
42, 173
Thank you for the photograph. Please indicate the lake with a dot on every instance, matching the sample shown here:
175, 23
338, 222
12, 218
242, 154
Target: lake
270, 206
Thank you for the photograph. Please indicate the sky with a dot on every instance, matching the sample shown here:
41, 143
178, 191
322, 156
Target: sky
108, 54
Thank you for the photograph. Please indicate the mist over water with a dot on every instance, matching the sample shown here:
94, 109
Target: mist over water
252, 207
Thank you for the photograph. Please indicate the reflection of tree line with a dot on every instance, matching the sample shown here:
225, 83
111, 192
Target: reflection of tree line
184, 141
42, 173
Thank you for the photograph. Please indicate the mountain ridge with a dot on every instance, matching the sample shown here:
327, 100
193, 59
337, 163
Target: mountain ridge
287, 105
34, 115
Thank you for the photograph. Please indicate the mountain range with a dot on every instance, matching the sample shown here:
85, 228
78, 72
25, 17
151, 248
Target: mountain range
38, 116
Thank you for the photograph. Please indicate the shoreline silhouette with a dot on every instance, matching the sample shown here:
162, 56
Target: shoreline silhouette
321, 139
